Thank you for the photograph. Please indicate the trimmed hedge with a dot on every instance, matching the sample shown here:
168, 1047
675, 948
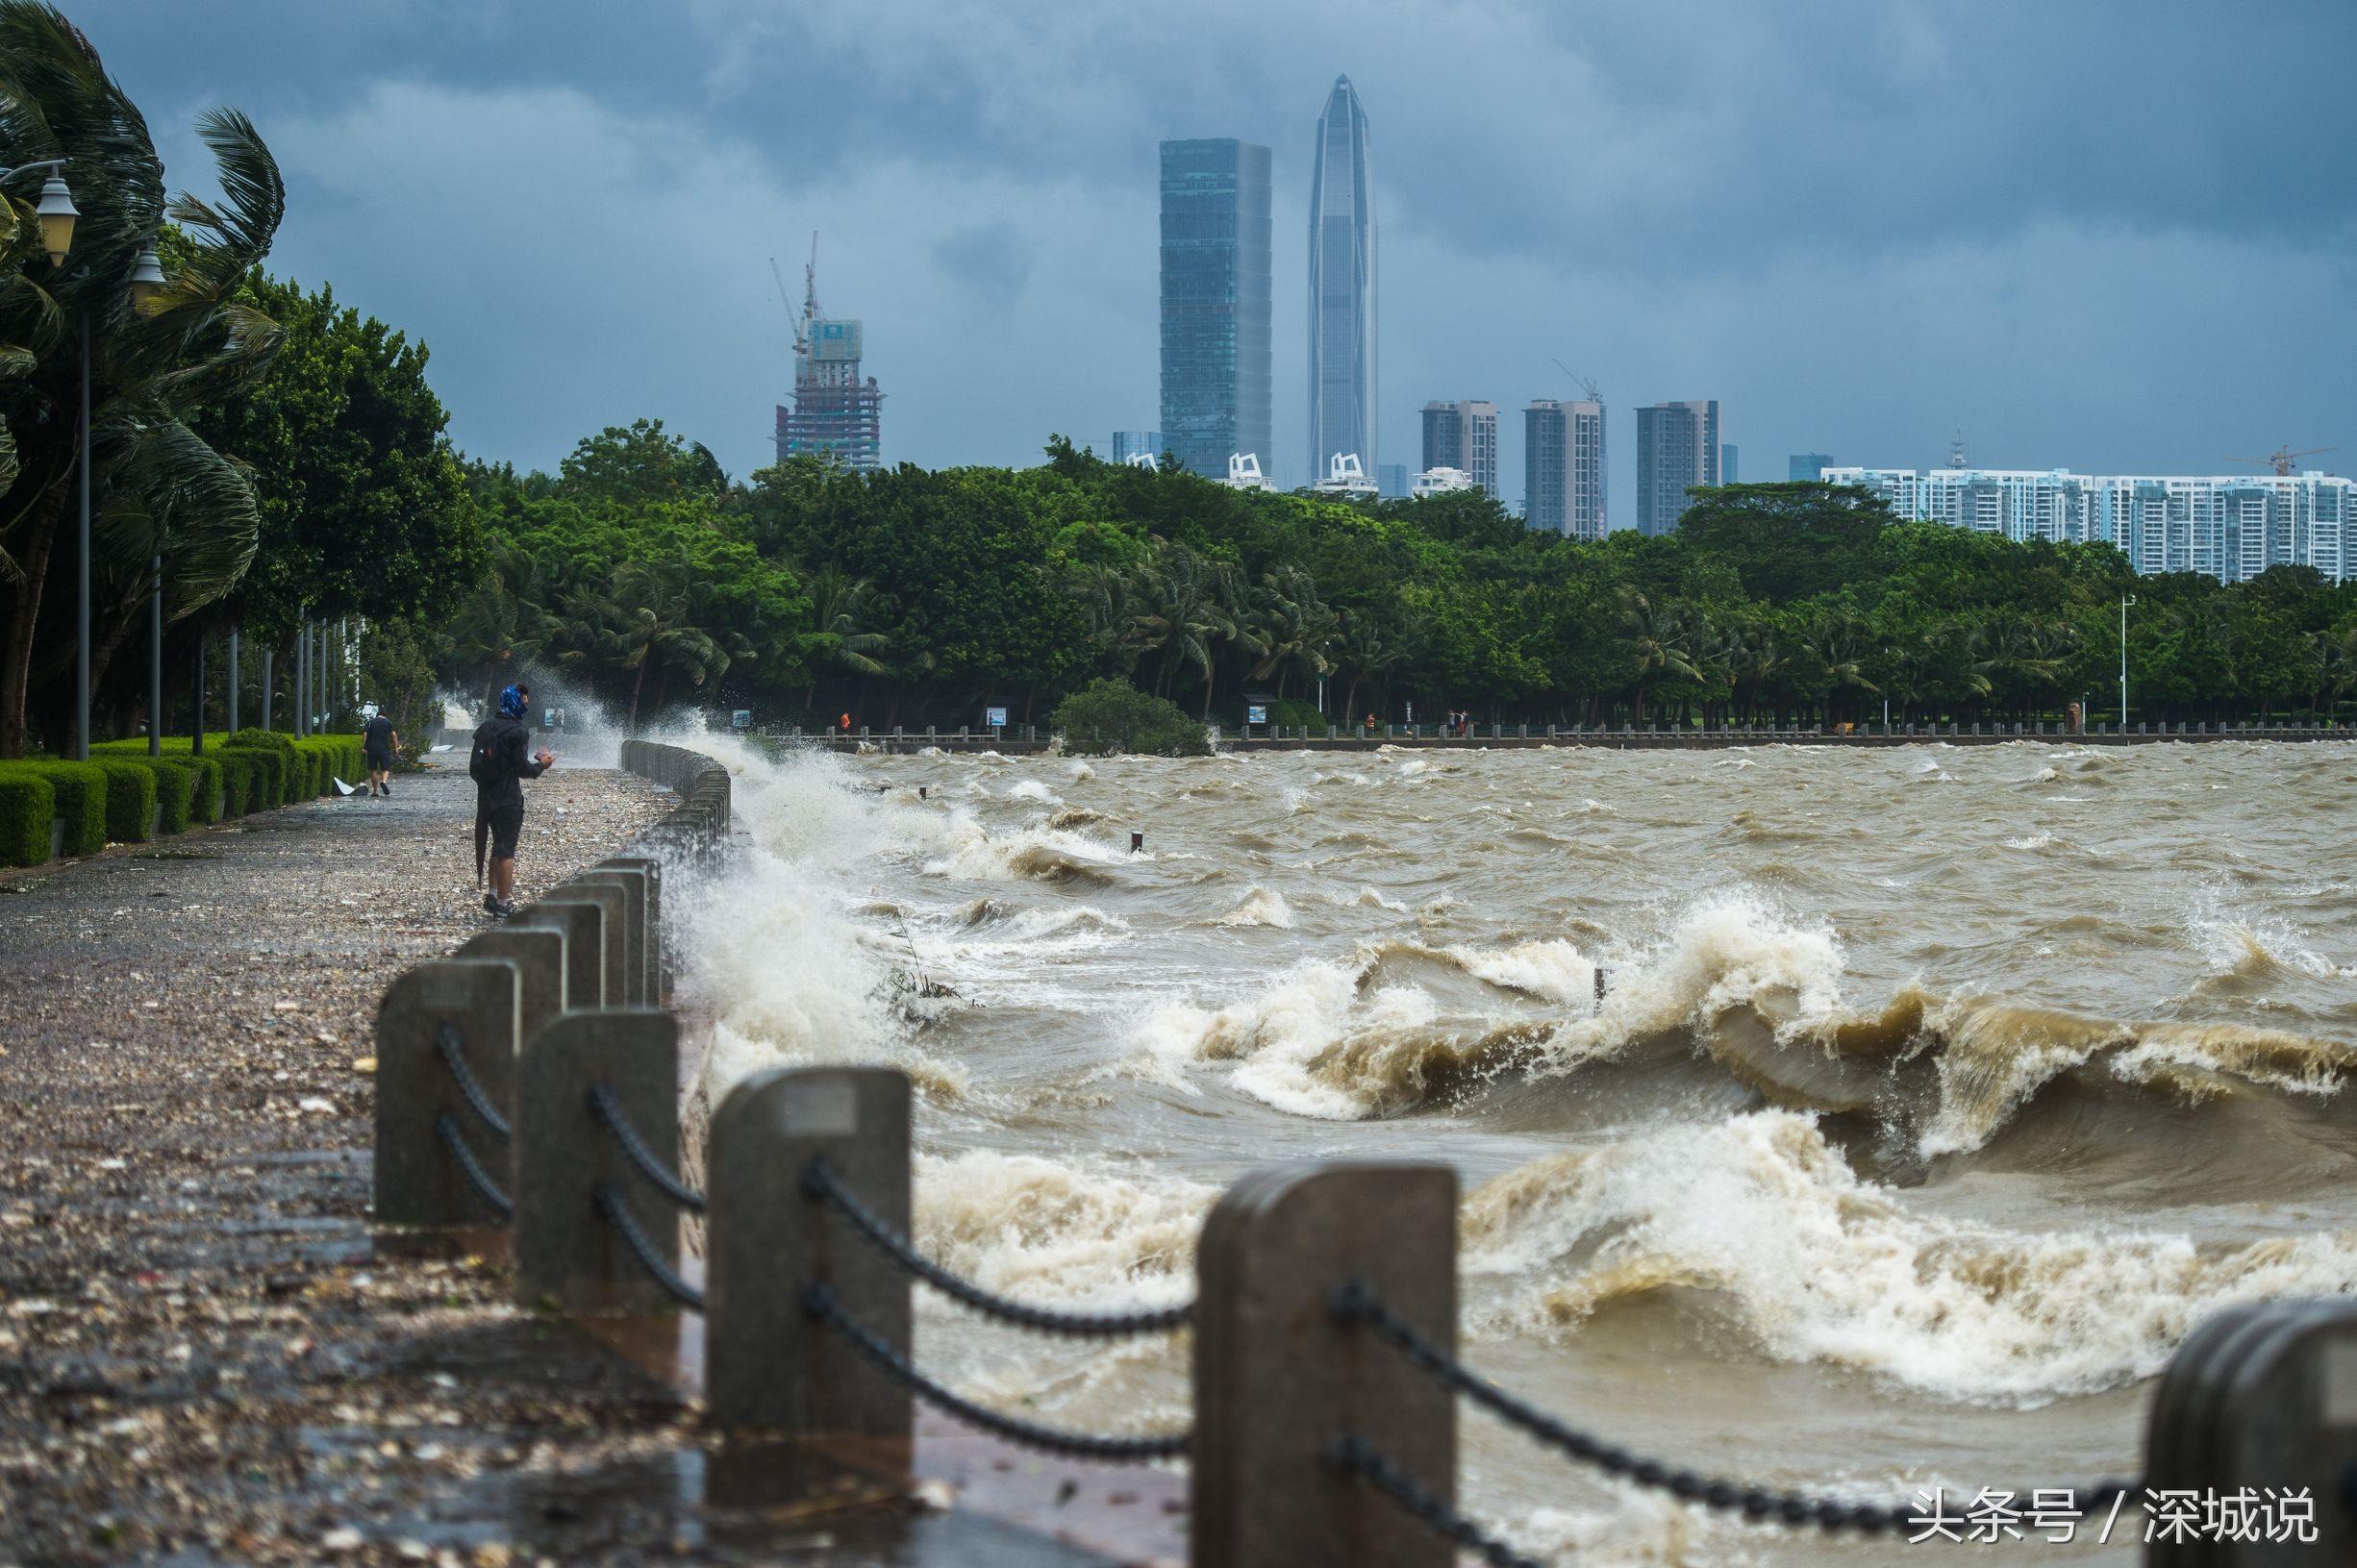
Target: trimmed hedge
239, 776
205, 805
131, 799
175, 793
28, 805
80, 792
272, 774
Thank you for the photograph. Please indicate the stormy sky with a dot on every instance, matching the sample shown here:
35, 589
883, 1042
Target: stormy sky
2110, 236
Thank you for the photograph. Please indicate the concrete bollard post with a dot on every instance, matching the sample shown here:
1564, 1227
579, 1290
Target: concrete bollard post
767, 1241
582, 921
658, 954
632, 991
1137, 842
2261, 1401
417, 1182
566, 1250
611, 954
1278, 1246
537, 952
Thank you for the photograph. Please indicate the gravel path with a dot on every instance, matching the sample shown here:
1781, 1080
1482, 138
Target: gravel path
202, 1358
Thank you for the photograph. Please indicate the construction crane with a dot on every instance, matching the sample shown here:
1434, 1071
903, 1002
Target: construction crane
2282, 457
810, 296
1586, 385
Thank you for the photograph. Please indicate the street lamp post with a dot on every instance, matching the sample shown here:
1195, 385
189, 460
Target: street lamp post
56, 213
2126, 600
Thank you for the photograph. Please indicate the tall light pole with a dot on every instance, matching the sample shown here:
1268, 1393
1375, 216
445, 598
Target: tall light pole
2126, 600
56, 213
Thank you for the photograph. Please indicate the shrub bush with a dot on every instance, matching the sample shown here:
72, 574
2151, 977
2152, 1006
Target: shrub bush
238, 779
131, 799
271, 756
175, 792
28, 805
1112, 717
80, 789
205, 802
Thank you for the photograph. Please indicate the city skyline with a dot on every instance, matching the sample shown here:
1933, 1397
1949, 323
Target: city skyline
989, 210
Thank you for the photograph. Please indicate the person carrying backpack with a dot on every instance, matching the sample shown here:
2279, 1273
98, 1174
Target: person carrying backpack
498, 766
380, 740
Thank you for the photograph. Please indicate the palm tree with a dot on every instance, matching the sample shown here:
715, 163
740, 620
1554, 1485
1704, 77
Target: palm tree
1301, 628
1656, 643
1841, 642
157, 487
501, 627
838, 638
650, 617
1364, 650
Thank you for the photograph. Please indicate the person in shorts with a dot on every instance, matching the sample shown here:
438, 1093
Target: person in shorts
498, 766
378, 739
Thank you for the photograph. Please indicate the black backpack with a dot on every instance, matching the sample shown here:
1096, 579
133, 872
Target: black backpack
483, 765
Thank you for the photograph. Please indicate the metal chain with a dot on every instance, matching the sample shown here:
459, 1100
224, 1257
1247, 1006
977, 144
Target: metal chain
820, 1300
454, 1052
617, 1214
819, 1180
609, 1110
1354, 1303
446, 1128
1359, 1458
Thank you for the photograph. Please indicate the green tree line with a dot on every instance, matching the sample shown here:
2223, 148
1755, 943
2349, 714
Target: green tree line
908, 597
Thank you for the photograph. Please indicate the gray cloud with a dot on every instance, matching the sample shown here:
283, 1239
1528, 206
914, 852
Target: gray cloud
2104, 234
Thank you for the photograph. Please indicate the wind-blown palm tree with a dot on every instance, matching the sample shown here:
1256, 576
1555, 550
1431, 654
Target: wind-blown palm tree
839, 637
158, 488
1656, 644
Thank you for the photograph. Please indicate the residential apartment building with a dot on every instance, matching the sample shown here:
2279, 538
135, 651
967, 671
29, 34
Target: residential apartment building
2230, 527
1563, 468
1677, 451
1464, 436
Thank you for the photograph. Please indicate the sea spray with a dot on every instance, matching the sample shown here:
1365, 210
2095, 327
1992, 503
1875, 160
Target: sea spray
1816, 1264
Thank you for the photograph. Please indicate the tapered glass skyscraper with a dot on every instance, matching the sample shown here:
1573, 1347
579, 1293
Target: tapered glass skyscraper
1214, 303
1342, 286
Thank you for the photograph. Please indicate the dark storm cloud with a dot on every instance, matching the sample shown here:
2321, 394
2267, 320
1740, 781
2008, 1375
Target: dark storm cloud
2100, 235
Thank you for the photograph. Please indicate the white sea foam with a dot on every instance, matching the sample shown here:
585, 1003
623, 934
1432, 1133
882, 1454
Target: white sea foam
1819, 1265
1031, 790
1061, 1234
1262, 907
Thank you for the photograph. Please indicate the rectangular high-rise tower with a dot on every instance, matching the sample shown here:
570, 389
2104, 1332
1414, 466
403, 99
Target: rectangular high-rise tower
1216, 358
1464, 436
1563, 468
1806, 466
1343, 381
1677, 450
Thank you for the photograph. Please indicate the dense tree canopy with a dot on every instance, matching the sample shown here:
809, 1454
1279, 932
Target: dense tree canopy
912, 597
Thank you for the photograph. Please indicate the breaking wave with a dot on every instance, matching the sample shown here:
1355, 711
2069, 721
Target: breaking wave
1759, 1220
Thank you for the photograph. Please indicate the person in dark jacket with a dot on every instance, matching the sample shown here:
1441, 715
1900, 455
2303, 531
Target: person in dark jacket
498, 766
381, 740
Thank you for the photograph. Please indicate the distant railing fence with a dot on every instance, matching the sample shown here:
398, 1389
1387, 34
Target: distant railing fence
1325, 1370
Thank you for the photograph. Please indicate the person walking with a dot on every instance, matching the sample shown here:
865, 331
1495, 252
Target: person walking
498, 766
378, 739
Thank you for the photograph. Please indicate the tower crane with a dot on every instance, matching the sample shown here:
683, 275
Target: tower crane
2282, 459
1586, 385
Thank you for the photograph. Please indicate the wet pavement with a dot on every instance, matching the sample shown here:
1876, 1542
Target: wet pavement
204, 1356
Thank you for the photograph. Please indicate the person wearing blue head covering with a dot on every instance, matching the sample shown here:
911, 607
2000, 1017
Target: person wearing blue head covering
498, 766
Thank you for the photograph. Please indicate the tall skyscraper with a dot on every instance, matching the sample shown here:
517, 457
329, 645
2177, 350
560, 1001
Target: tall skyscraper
1727, 465
1342, 385
1464, 436
836, 414
1677, 449
1563, 468
1214, 302
1807, 465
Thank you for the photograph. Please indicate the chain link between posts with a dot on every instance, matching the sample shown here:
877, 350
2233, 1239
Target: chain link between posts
617, 1214
454, 1054
820, 1302
446, 1128
819, 1180
607, 1109
1355, 1304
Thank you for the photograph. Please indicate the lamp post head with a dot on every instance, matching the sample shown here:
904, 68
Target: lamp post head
147, 279
57, 213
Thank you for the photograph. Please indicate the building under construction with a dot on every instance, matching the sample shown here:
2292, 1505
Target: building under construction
836, 414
